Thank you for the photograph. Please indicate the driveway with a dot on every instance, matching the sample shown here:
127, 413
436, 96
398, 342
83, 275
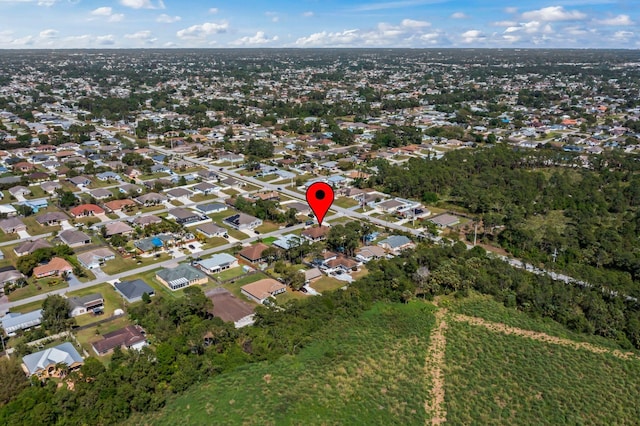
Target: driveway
99, 273
24, 234
73, 281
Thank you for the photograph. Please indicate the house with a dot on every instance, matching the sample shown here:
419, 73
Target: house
29, 247
101, 194
19, 191
80, 305
80, 181
185, 216
149, 219
9, 275
95, 258
368, 253
232, 183
35, 205
50, 187
15, 321
181, 276
150, 199
314, 234
12, 225
288, 241
211, 208
205, 188
262, 290
311, 275
445, 220
300, 208
396, 243
132, 291
85, 210
211, 230
108, 176
117, 228
179, 192
56, 266
46, 363
217, 263
254, 253
74, 238
242, 221
390, 206
342, 263
118, 205
207, 174
8, 209
152, 244
51, 218
129, 337
129, 188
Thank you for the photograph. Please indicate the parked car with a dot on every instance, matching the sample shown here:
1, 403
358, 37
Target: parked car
191, 246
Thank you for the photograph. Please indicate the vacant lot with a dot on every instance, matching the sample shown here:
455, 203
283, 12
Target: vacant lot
228, 307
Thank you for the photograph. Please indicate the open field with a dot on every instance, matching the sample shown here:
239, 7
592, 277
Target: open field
329, 382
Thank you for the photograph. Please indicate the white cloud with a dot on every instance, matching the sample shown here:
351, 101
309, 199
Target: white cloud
472, 36
530, 27
105, 40
553, 13
203, 30
102, 11
504, 23
511, 9
620, 20
308, 14
23, 41
324, 38
116, 17
48, 34
213, 10
258, 39
142, 36
622, 35
510, 38
142, 4
167, 19
410, 23
459, 15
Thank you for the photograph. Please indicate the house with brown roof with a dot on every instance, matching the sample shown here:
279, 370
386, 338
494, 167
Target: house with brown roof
254, 253
12, 225
51, 218
117, 228
85, 210
262, 290
29, 247
117, 205
129, 337
57, 266
342, 263
317, 233
74, 238
23, 167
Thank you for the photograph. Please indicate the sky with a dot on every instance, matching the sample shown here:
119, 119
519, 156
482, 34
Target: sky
319, 23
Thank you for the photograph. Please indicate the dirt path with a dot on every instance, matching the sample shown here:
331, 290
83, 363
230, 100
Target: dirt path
542, 337
434, 365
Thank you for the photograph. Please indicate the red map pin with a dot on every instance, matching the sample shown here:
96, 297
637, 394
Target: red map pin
320, 197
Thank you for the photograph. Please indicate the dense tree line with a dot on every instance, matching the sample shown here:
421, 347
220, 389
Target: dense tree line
507, 189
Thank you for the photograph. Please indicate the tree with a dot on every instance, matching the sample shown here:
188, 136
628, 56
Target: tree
24, 210
13, 379
66, 199
55, 314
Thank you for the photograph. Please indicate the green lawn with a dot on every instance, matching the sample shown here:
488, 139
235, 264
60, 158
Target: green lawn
37, 287
120, 264
150, 278
367, 370
326, 283
112, 301
7, 237
89, 335
231, 192
345, 202
34, 228
234, 287
267, 227
269, 240
214, 242
196, 198
28, 307
235, 233
36, 192
229, 274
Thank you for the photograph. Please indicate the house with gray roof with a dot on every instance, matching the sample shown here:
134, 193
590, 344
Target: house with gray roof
12, 225
15, 321
396, 243
242, 221
210, 208
95, 258
74, 238
81, 305
211, 230
132, 291
101, 194
181, 276
44, 364
51, 218
217, 263
29, 247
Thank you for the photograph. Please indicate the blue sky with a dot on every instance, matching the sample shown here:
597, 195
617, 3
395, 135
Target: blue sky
318, 23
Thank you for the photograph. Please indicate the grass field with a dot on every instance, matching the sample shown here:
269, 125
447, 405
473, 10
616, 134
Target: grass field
267, 227
362, 371
491, 378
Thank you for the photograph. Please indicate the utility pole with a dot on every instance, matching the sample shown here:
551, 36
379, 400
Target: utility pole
475, 234
555, 254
